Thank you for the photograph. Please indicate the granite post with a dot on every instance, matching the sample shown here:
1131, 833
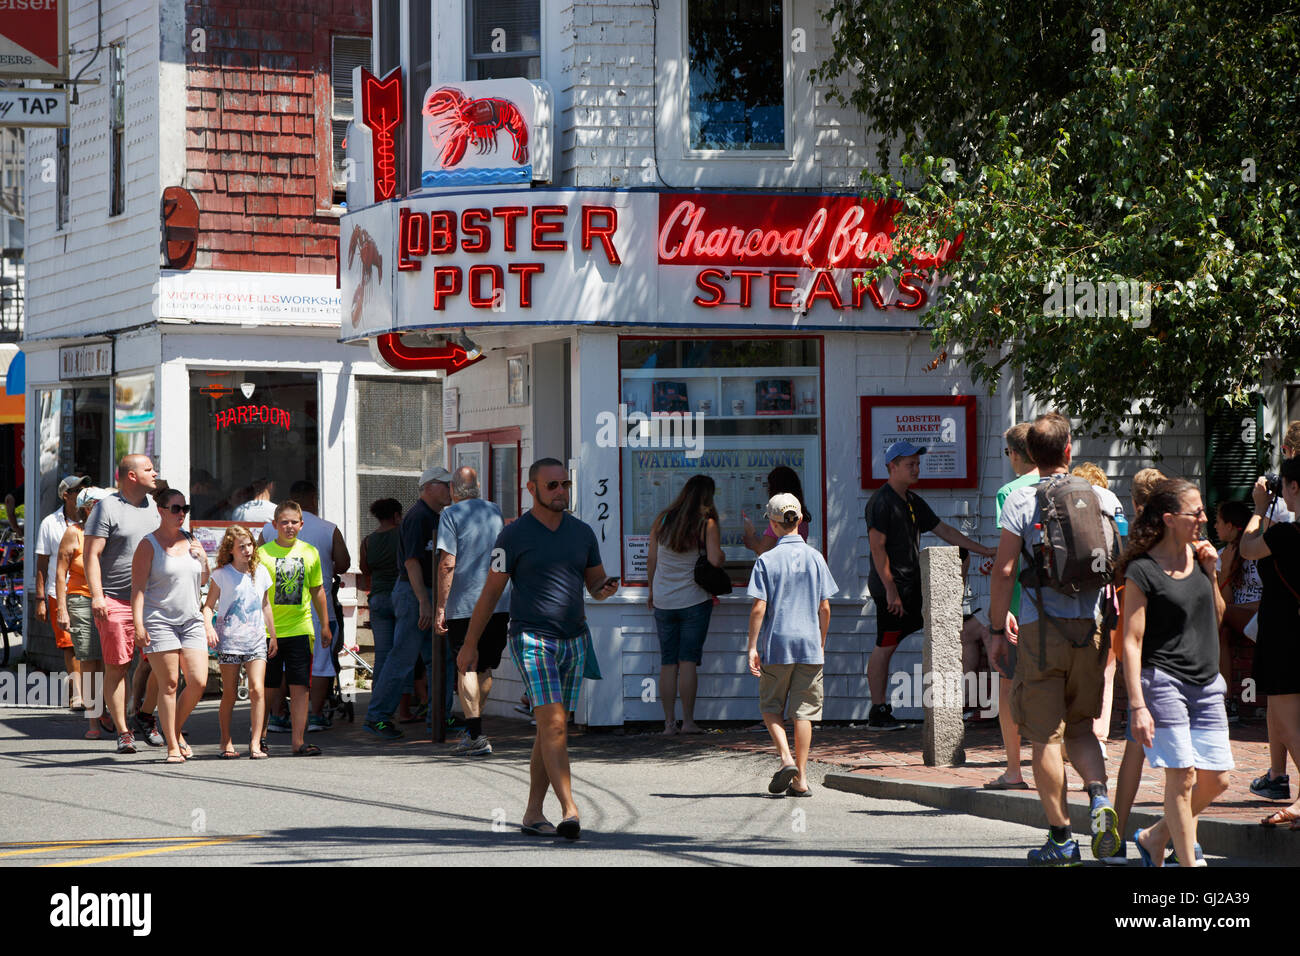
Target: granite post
943, 733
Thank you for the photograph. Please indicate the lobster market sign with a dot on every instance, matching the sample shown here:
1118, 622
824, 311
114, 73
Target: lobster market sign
627, 258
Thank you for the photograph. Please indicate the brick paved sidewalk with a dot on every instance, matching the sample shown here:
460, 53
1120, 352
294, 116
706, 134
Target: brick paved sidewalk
896, 755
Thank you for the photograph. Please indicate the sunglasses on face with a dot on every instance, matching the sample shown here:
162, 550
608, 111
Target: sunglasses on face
1198, 513
179, 509
552, 485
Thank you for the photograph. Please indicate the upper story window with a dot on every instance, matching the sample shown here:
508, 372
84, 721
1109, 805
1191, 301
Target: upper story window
116, 129
737, 68
419, 77
62, 147
504, 39
346, 54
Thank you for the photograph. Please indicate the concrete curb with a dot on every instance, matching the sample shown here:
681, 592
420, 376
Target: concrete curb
1243, 842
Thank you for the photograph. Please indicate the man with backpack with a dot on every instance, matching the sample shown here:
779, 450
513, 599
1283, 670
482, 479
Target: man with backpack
1063, 530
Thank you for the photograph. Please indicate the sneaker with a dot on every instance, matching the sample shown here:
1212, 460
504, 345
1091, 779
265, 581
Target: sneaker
315, 723
126, 743
1172, 858
1056, 854
384, 729
1120, 858
1105, 829
147, 728
477, 747
279, 725
882, 718
1270, 787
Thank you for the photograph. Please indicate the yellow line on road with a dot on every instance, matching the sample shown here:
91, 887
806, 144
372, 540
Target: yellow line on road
56, 843
162, 849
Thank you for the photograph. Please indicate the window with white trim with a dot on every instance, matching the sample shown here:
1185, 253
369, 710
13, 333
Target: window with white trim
504, 39
346, 54
736, 59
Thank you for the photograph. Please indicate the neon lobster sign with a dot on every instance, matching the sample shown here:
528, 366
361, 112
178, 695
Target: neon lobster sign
381, 112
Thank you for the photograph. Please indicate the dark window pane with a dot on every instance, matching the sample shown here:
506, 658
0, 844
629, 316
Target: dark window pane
504, 68
737, 89
233, 441
504, 26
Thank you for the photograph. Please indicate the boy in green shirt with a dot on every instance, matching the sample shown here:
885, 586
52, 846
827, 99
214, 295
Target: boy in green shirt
296, 580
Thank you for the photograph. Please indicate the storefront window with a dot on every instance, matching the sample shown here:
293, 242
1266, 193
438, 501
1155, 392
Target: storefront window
133, 417
733, 409
399, 434
247, 428
737, 69
74, 439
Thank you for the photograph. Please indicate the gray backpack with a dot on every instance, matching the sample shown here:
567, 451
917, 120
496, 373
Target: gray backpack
1079, 548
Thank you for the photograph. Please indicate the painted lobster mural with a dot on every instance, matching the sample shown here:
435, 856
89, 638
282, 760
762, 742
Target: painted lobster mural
362, 242
461, 119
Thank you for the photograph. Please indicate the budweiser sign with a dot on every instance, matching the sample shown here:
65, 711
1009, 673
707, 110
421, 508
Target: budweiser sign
808, 232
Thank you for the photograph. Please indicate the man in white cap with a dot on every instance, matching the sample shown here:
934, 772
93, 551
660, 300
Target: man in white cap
792, 589
896, 519
47, 545
413, 602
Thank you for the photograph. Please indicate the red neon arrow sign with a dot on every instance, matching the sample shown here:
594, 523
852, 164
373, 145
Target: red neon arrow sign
381, 111
409, 358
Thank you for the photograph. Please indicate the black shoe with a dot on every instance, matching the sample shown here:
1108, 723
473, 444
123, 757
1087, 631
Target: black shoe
882, 718
382, 729
1270, 787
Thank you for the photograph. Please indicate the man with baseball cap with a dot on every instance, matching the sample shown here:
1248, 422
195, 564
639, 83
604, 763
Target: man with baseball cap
896, 519
47, 544
413, 602
792, 588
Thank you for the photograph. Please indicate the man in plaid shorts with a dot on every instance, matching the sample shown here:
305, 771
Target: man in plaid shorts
549, 556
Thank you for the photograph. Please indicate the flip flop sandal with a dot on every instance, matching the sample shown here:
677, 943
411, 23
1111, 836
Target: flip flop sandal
792, 792
1142, 851
229, 755
1001, 783
186, 752
569, 828
1280, 818
174, 758
543, 828
781, 779
307, 750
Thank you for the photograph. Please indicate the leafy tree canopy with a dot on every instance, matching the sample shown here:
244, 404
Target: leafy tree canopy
1133, 141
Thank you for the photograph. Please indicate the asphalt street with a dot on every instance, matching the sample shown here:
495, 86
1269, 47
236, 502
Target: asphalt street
645, 802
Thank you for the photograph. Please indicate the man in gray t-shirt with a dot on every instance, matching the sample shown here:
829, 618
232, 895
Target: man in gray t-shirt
467, 532
114, 529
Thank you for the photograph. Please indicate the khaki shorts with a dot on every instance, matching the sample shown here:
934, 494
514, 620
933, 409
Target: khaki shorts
1063, 698
801, 684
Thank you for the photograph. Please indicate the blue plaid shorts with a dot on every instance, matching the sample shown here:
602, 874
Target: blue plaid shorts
551, 667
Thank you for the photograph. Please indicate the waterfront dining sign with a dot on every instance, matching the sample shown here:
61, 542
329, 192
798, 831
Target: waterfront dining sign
705, 260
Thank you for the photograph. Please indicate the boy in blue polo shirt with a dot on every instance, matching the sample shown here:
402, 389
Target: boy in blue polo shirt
791, 587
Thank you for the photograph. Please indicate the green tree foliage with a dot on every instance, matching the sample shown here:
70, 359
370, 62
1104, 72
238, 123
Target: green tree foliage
1144, 141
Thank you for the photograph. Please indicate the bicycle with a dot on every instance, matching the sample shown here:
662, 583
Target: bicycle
11, 591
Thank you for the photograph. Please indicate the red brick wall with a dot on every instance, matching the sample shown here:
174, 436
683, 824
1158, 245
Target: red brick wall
258, 139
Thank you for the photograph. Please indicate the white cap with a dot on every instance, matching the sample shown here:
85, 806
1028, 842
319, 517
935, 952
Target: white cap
88, 496
781, 507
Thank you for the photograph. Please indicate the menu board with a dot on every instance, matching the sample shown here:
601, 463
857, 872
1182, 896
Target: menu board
739, 469
944, 425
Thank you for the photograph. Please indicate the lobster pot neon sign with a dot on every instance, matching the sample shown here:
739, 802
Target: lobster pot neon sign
486, 132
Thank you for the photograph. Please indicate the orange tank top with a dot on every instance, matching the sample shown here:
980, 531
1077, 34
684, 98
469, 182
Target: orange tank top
77, 569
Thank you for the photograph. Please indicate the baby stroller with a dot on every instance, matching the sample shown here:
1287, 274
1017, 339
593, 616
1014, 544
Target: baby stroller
339, 704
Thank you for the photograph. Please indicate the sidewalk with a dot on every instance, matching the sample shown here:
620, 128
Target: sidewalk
888, 765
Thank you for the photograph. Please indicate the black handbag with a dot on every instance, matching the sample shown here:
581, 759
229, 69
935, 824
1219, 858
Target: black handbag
714, 580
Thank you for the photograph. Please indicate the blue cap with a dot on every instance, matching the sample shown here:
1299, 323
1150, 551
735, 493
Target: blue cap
901, 449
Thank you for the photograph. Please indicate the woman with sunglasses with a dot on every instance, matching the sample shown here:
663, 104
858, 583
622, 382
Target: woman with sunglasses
167, 572
1172, 611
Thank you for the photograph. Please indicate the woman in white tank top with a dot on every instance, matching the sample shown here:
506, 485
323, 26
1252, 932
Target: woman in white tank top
167, 572
682, 609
